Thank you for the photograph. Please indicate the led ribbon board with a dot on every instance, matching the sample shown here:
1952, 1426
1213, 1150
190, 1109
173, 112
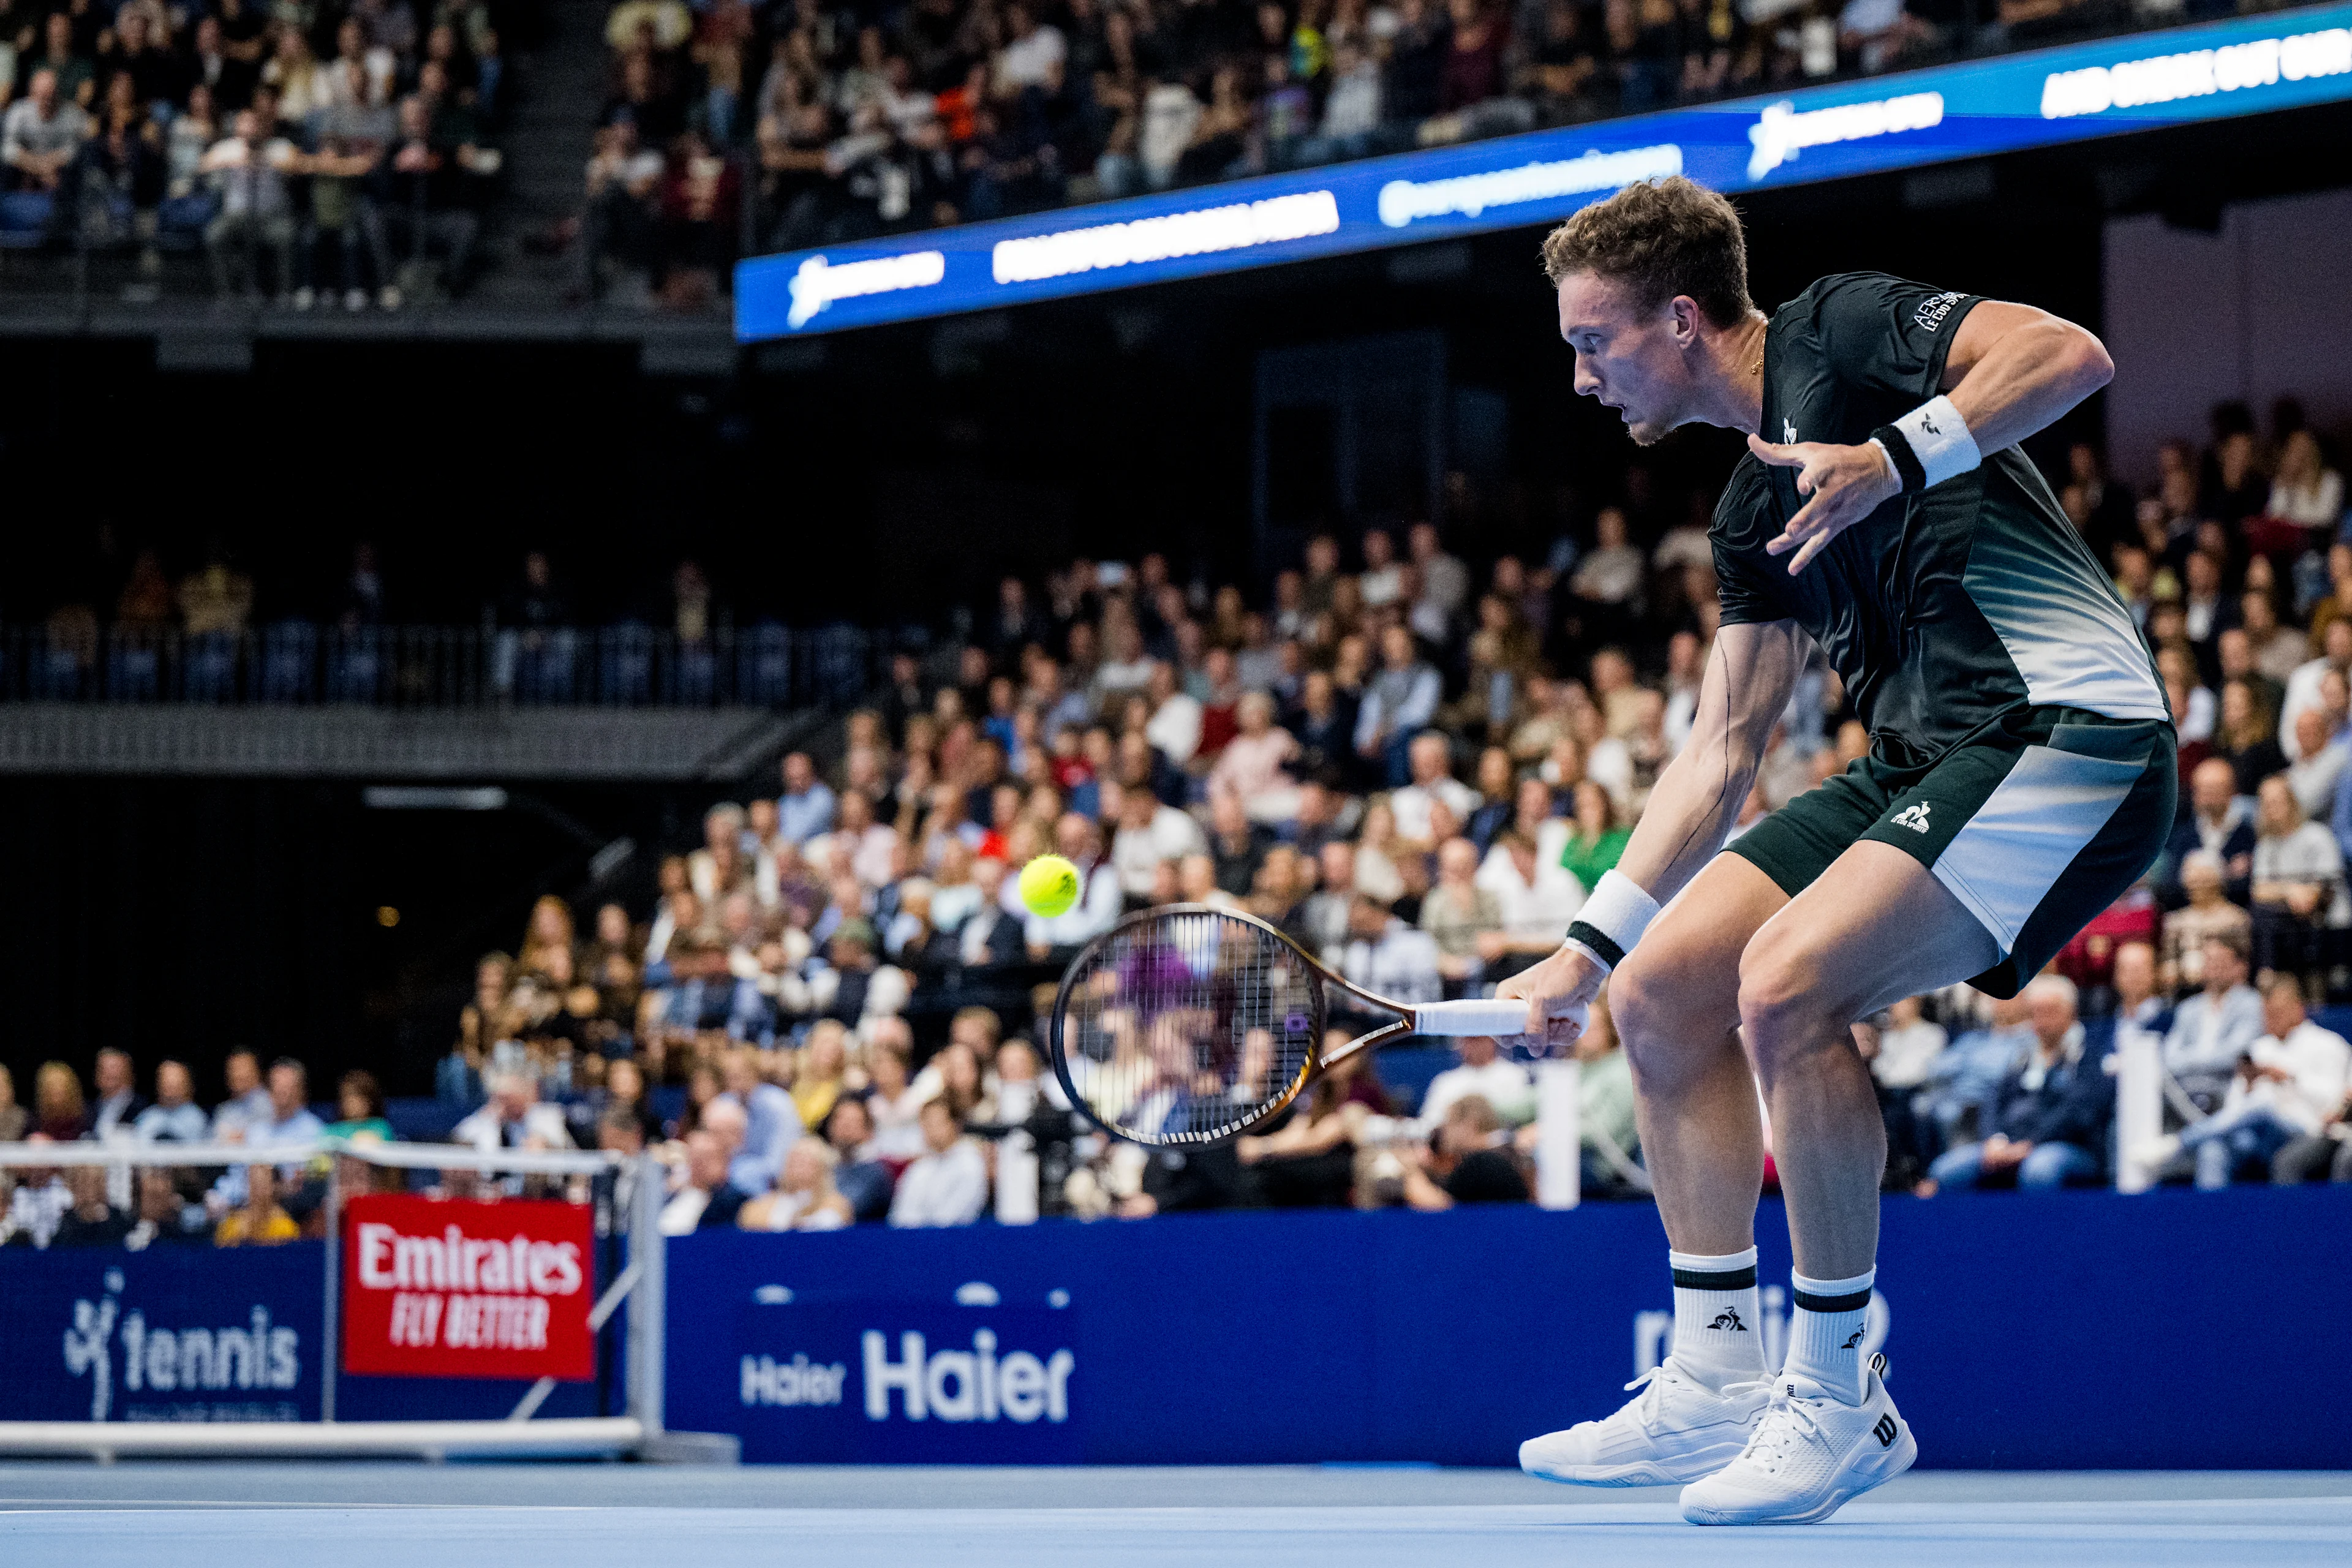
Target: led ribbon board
2282, 60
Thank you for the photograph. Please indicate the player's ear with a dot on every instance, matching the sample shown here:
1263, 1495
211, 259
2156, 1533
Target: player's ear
1683, 312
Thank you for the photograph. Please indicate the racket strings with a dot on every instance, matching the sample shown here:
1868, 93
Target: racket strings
1188, 1025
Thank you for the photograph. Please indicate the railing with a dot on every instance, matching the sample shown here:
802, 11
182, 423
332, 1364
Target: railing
300, 663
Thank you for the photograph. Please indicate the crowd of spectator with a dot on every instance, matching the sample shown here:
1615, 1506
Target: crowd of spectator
861, 121
830, 1011
315, 151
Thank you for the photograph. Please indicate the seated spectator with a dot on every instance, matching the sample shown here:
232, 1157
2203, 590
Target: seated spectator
164, 1216
1398, 704
119, 1101
1459, 915
2245, 738
12, 1115
1960, 1094
38, 1202
1507, 1086
1901, 1049
2306, 491
60, 1112
2220, 823
427, 201
2051, 1115
2298, 879
1596, 838
246, 1101
249, 169
259, 1220
704, 1196
41, 135
513, 1117
948, 1183
804, 1198
2207, 914
91, 1221
359, 1107
2212, 1029
771, 1118
1254, 765
1430, 763
2287, 1086
1309, 1159
864, 1180
1467, 1160
174, 1118
1389, 958
2322, 766
822, 1074
1536, 902
617, 229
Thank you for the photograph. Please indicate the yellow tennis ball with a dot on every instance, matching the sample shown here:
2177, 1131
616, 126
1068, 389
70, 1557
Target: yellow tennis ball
1049, 885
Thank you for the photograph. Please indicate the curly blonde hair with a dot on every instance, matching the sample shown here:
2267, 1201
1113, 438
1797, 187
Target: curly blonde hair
1661, 237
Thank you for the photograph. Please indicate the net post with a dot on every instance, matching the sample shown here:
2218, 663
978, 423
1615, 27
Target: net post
1560, 1138
330, 1330
650, 1305
2139, 1109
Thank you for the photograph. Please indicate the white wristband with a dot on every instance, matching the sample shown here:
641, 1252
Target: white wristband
1940, 440
1612, 920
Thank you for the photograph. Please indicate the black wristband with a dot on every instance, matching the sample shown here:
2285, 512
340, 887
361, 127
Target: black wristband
1908, 467
1598, 941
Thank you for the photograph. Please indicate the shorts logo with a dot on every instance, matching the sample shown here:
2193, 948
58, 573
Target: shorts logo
1933, 310
1914, 818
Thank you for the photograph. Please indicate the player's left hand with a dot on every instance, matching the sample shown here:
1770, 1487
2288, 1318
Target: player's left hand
1846, 483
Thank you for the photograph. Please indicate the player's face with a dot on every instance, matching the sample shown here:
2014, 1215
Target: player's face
1633, 361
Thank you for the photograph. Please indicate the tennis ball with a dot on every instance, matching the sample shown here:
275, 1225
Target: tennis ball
1049, 885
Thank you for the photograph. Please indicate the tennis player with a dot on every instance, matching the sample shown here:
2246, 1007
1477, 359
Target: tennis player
2020, 778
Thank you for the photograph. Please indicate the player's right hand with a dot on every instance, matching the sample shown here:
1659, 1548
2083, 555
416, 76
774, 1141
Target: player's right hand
1558, 993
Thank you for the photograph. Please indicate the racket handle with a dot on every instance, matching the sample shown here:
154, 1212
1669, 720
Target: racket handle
1497, 1016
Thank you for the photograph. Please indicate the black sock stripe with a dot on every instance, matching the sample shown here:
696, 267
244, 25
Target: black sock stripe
1852, 1303
1727, 1279
1598, 941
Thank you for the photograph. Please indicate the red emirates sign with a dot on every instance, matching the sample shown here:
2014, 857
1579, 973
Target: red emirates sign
447, 1289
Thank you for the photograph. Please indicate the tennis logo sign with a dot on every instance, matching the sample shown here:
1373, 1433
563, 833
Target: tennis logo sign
162, 1370
434, 1288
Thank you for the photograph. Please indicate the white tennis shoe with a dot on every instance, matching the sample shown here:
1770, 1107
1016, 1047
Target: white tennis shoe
1811, 1453
1675, 1429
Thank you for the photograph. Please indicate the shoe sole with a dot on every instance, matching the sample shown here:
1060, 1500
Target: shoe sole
1893, 1463
1644, 1474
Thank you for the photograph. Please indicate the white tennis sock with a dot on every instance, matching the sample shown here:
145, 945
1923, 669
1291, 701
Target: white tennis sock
1719, 1327
1826, 1332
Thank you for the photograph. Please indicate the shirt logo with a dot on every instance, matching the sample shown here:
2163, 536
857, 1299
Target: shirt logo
1914, 818
1933, 310
1788, 432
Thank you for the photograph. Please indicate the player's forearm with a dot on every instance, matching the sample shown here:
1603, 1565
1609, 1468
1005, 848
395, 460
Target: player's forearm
1692, 807
2027, 380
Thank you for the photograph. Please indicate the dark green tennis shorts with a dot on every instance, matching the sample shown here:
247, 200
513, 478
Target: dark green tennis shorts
2036, 824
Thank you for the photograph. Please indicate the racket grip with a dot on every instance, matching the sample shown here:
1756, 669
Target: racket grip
1495, 1016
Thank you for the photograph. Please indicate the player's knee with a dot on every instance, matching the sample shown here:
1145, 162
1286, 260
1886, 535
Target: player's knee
1781, 1010
1662, 1035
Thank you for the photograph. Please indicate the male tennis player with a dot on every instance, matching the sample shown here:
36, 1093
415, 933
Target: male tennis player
2019, 777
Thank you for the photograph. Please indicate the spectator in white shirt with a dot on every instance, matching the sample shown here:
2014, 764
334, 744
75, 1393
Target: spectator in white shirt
1429, 758
1389, 958
38, 1204
1148, 834
1907, 1043
2314, 777
1099, 901
1032, 57
949, 1185
1175, 723
513, 1117
2305, 490
1506, 1086
2287, 1086
1537, 901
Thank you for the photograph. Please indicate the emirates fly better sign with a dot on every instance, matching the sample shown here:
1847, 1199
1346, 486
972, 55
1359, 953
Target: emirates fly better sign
442, 1289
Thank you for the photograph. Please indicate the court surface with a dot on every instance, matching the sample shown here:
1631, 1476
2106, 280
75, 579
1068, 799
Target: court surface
226, 1515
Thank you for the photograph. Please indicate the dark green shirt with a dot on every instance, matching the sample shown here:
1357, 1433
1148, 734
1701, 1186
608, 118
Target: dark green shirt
1945, 609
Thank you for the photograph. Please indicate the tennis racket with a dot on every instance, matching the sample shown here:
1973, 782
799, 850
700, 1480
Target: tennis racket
1187, 1025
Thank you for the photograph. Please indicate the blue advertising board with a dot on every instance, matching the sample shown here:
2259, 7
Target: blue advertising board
2276, 60
2056, 1330
203, 1333
169, 1334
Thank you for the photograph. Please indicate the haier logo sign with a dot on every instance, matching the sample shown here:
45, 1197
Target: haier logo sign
885, 1382
966, 1386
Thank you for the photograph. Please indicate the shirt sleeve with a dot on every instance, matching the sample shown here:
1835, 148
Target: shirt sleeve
1887, 335
1748, 585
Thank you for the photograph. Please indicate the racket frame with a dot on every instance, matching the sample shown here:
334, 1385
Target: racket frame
1316, 1062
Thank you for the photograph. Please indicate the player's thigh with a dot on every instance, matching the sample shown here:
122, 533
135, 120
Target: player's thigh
1681, 985
1877, 926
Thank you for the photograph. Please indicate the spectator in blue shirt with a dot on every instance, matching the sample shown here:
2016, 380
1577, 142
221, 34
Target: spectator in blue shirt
2050, 1127
2214, 1028
174, 1118
770, 1122
805, 809
1399, 703
1964, 1079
